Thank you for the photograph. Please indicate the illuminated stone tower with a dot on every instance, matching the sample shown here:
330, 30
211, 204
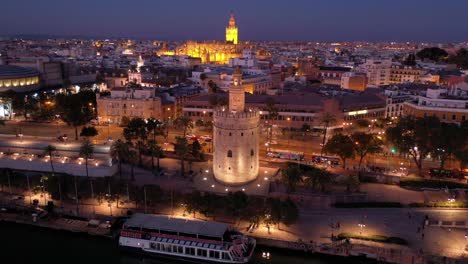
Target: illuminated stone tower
235, 138
231, 31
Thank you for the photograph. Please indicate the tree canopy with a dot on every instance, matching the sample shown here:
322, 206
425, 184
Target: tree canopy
434, 54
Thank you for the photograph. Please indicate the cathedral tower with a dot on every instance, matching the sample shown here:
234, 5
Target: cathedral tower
231, 31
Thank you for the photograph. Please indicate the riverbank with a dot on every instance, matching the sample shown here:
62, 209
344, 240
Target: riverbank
43, 243
109, 229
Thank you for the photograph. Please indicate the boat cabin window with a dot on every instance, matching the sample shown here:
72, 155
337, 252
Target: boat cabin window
226, 256
153, 245
214, 254
180, 249
190, 251
166, 248
158, 246
202, 252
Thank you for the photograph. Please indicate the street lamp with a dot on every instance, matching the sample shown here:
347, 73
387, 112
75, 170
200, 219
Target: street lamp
58, 125
361, 226
108, 125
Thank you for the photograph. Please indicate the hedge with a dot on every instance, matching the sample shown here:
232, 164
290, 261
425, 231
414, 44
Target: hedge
369, 205
418, 183
375, 238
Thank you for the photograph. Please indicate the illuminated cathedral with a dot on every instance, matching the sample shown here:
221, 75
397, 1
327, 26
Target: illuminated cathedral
214, 52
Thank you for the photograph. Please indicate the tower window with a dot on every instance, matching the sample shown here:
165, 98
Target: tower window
242, 134
229, 168
251, 152
229, 153
230, 134
252, 133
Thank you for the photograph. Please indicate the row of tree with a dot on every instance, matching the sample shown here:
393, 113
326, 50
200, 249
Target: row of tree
358, 144
240, 206
460, 58
419, 137
310, 177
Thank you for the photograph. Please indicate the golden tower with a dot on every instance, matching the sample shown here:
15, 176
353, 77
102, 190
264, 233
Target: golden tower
231, 31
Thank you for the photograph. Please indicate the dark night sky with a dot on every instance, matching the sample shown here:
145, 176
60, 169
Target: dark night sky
314, 20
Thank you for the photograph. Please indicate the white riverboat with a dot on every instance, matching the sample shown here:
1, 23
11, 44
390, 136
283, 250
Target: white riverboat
191, 240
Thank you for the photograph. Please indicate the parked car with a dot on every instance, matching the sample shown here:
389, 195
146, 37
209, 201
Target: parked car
205, 137
62, 138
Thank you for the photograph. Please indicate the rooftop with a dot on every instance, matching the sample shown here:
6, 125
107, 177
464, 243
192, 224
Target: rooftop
11, 71
196, 227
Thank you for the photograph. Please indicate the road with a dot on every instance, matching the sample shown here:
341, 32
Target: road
309, 144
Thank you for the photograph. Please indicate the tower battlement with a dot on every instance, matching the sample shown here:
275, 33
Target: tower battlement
252, 113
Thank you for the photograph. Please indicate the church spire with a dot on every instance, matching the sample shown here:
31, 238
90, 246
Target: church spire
231, 30
232, 21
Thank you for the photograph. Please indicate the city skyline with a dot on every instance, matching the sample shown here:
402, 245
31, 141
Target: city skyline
424, 21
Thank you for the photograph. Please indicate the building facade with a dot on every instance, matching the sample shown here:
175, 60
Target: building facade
127, 103
438, 102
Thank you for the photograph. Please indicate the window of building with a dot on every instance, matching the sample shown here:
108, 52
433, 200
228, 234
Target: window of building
230, 134
454, 117
242, 134
229, 153
251, 152
443, 116
229, 168
463, 118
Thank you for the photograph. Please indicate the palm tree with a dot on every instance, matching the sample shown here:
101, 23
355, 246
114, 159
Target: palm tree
87, 151
318, 179
291, 176
184, 122
272, 115
120, 152
182, 150
49, 150
155, 151
132, 160
327, 119
140, 145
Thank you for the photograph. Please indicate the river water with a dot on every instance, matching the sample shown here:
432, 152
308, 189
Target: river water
28, 244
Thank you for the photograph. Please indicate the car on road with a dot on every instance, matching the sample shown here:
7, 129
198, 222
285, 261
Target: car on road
189, 136
205, 137
62, 138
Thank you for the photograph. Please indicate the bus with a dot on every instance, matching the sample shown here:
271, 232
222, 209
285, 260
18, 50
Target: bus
325, 159
288, 155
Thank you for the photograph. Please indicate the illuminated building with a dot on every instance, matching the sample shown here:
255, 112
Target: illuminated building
232, 31
449, 105
235, 138
127, 103
213, 51
18, 79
